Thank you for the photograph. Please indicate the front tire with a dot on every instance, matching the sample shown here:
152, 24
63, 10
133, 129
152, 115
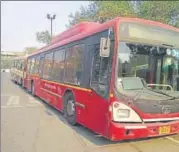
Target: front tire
70, 109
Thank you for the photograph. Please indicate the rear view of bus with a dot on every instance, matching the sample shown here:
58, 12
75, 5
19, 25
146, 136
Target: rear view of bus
18, 70
146, 92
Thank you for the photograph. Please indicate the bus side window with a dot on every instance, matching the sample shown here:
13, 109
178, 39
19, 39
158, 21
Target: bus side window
37, 65
41, 65
74, 64
48, 62
32, 67
58, 65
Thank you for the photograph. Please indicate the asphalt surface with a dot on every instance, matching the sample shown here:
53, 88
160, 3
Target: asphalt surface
30, 125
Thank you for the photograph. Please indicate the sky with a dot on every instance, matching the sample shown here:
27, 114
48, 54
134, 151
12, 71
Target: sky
20, 20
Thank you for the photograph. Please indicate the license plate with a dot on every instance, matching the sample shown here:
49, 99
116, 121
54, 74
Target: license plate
164, 130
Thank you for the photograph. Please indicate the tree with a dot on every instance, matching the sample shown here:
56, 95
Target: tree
43, 37
84, 14
162, 11
29, 50
110, 9
101, 11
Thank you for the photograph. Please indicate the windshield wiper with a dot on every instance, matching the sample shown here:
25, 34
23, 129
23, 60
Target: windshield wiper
168, 45
160, 92
173, 98
137, 96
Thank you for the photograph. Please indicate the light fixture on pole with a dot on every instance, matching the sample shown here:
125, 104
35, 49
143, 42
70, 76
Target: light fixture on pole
51, 18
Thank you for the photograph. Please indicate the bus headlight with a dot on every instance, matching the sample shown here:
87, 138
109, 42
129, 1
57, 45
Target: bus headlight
123, 113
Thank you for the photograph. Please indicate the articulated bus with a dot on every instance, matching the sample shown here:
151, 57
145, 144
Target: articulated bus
18, 70
120, 79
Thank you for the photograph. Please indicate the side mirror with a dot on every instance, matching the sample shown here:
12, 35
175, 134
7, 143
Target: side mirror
104, 47
105, 43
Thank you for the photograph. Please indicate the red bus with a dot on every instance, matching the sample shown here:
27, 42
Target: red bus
119, 78
18, 70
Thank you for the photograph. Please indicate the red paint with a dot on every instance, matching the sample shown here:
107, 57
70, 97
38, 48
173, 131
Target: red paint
96, 115
119, 132
75, 30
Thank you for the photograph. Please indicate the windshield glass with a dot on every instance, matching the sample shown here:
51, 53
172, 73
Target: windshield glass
157, 65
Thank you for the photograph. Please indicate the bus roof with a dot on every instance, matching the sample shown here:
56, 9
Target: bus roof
85, 29
74, 30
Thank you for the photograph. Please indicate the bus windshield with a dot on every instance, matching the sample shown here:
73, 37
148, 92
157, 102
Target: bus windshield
151, 53
157, 65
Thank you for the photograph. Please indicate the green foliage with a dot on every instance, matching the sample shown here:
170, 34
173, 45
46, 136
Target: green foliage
110, 9
29, 50
84, 14
162, 11
101, 11
43, 37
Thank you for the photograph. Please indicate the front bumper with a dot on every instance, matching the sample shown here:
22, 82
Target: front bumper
126, 131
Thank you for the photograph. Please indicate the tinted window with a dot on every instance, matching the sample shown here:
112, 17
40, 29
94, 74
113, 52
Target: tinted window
32, 65
58, 65
48, 65
41, 66
37, 62
74, 64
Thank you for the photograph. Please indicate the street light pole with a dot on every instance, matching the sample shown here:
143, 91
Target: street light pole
51, 18
51, 27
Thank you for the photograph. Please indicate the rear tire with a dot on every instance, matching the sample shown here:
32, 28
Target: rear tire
69, 108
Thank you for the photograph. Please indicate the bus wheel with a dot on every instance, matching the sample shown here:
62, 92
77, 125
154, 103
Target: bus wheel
32, 89
69, 108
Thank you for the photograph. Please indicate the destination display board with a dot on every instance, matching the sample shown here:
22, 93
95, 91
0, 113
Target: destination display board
146, 33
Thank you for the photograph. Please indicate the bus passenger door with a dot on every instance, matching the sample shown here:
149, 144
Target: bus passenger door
97, 107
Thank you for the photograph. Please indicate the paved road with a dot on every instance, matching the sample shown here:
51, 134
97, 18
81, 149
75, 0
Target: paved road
30, 125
